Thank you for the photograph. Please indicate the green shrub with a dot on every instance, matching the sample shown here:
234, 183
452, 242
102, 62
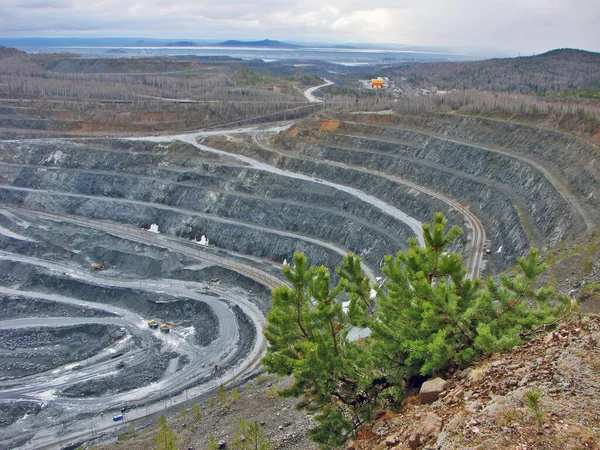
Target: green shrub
197, 412
532, 403
428, 316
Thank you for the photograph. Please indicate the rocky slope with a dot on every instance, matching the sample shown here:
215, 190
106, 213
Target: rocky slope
279, 419
486, 407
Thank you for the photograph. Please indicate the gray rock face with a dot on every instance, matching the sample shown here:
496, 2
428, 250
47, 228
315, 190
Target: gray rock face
428, 430
431, 389
236, 207
516, 201
530, 186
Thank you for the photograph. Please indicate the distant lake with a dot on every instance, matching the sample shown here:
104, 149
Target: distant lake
343, 56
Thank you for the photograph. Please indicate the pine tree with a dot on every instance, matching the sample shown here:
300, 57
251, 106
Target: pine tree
234, 395
429, 316
251, 437
240, 437
131, 431
222, 394
212, 444
197, 412
307, 335
165, 439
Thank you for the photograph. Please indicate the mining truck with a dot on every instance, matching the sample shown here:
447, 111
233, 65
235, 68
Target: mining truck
153, 324
164, 327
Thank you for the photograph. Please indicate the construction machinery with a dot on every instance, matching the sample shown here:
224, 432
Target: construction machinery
97, 265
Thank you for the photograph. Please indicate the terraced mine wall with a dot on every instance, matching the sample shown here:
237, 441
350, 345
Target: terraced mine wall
502, 218
570, 158
36, 119
414, 203
521, 202
76, 341
550, 212
30, 351
186, 312
237, 207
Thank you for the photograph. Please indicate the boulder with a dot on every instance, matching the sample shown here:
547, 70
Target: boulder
391, 441
464, 374
550, 337
379, 428
428, 430
431, 389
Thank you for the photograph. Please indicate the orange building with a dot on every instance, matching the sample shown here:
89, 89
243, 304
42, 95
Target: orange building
376, 83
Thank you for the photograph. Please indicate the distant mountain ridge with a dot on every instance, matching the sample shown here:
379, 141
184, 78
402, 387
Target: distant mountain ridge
570, 53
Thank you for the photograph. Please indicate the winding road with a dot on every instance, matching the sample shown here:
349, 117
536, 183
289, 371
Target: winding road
310, 91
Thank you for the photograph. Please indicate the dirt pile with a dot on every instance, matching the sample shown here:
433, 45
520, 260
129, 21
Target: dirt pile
545, 394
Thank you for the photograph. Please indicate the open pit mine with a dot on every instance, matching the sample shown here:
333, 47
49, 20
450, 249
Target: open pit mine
135, 273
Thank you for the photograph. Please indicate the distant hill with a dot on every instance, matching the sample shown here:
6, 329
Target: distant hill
561, 70
7, 52
263, 43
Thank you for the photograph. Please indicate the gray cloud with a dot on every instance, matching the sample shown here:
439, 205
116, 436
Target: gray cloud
38, 4
517, 25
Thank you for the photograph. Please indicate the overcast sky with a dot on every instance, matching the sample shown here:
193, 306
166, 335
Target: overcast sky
525, 26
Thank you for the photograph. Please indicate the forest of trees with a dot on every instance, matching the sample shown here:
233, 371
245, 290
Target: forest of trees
67, 93
24, 76
552, 72
579, 117
427, 318
154, 94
